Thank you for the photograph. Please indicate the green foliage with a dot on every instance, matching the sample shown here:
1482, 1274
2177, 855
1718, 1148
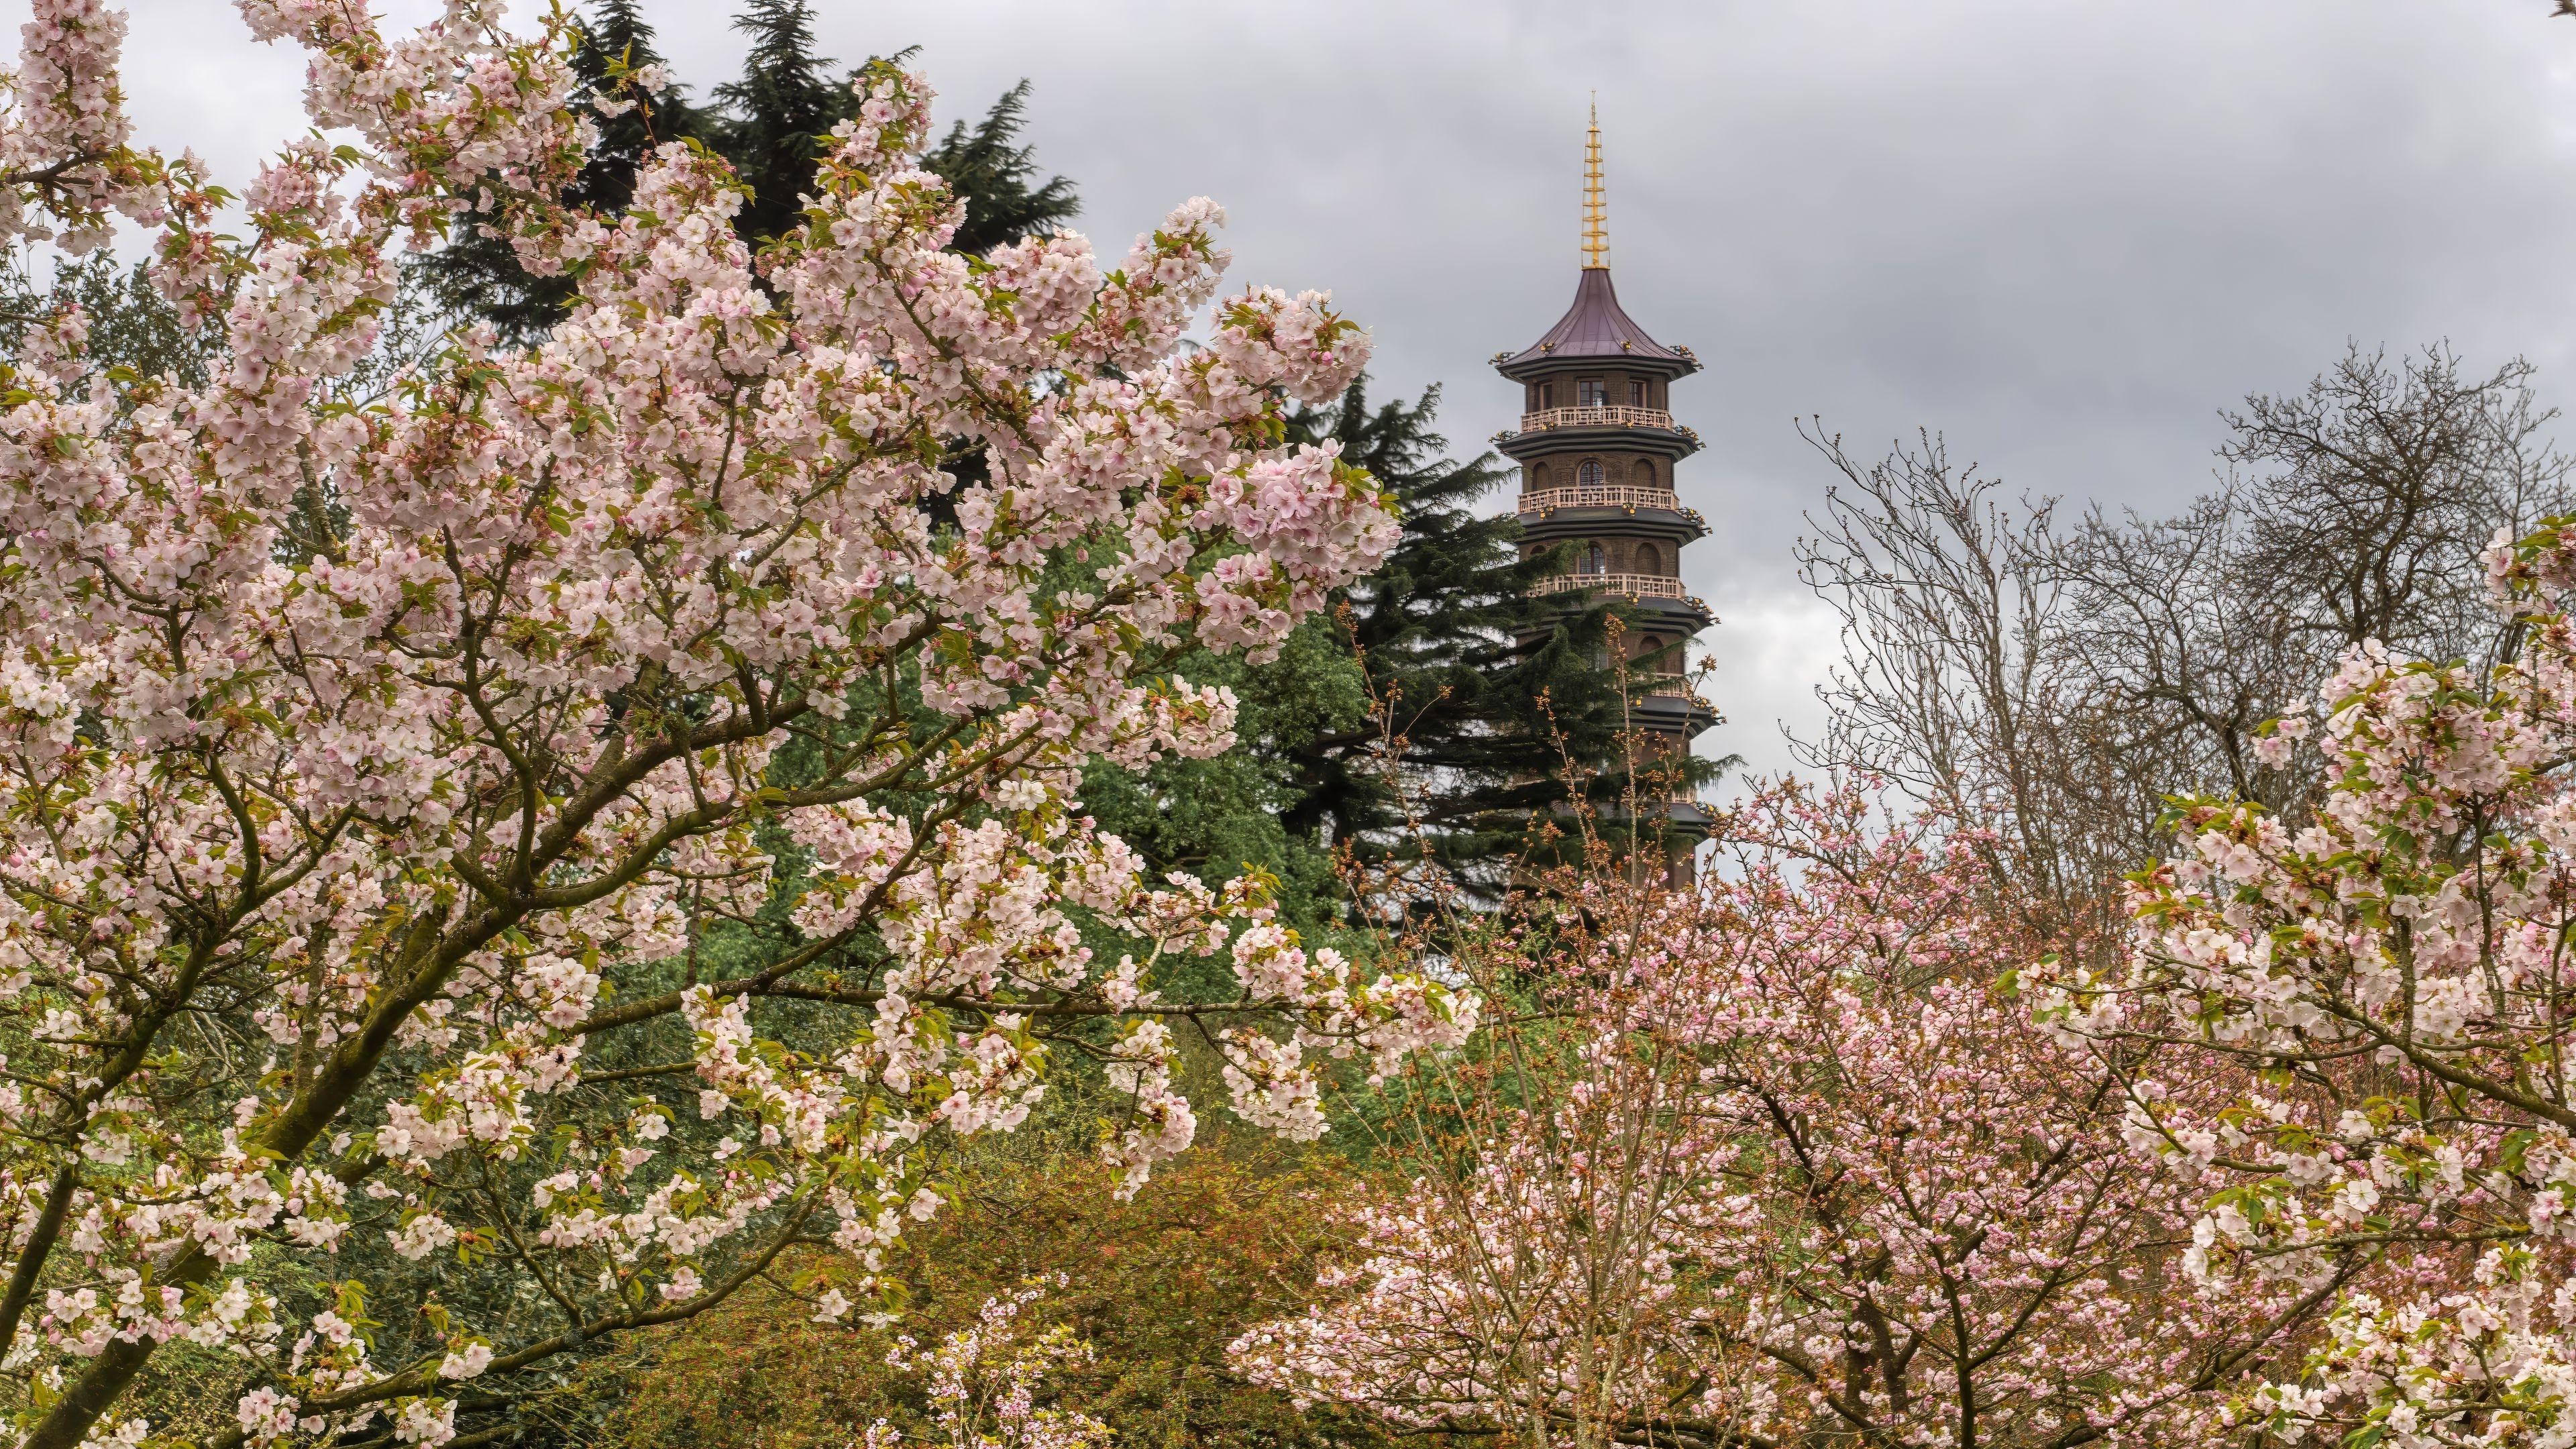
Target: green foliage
1158, 1286
998, 176
778, 115
1221, 817
130, 325
1429, 714
771, 122
479, 275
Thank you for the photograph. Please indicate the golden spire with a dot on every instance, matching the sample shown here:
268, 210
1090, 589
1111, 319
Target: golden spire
1596, 215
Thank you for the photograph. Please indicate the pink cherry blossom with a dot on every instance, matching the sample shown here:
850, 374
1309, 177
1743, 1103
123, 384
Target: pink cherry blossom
1777, 1160
2391, 973
365, 761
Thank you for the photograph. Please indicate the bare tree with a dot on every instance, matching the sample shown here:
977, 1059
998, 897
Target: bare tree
2061, 682
2160, 639
2375, 490
1954, 684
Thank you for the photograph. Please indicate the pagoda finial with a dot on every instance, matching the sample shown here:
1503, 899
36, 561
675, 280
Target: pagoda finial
1596, 215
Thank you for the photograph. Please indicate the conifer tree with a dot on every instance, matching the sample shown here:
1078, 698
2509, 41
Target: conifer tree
480, 276
997, 174
621, 43
788, 98
770, 123
778, 113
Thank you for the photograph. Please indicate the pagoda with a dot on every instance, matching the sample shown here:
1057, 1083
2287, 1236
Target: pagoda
1597, 446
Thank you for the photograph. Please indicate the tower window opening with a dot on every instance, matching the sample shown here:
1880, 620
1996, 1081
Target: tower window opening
1648, 561
1595, 561
1591, 392
1588, 473
1538, 478
1636, 394
1547, 394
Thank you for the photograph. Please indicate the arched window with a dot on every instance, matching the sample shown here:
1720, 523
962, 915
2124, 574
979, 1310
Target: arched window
1595, 562
1648, 560
1538, 478
1588, 473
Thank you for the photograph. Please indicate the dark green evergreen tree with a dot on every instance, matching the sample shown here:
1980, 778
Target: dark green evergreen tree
480, 276
778, 114
619, 43
998, 175
771, 123
1484, 691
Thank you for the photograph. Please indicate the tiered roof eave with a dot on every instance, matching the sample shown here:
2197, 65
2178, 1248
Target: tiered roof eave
1594, 331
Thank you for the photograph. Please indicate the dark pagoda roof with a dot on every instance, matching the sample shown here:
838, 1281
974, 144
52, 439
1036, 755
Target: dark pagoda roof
1592, 330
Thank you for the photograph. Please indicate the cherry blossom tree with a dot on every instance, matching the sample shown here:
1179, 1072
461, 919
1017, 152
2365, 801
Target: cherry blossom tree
1543, 1275
1803, 1172
984, 1382
2395, 968
370, 767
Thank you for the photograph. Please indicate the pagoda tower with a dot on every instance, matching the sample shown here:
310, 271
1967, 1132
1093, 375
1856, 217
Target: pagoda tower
1597, 447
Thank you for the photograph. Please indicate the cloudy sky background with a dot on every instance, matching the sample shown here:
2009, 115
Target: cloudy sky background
2064, 235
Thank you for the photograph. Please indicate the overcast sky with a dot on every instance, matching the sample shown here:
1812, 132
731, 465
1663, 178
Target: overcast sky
2063, 234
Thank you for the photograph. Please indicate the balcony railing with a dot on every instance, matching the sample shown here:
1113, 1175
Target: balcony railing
1672, 686
1605, 416
1635, 586
1606, 495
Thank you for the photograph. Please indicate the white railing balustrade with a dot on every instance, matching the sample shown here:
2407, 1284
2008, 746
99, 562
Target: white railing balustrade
1674, 686
1635, 586
1602, 416
1607, 495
